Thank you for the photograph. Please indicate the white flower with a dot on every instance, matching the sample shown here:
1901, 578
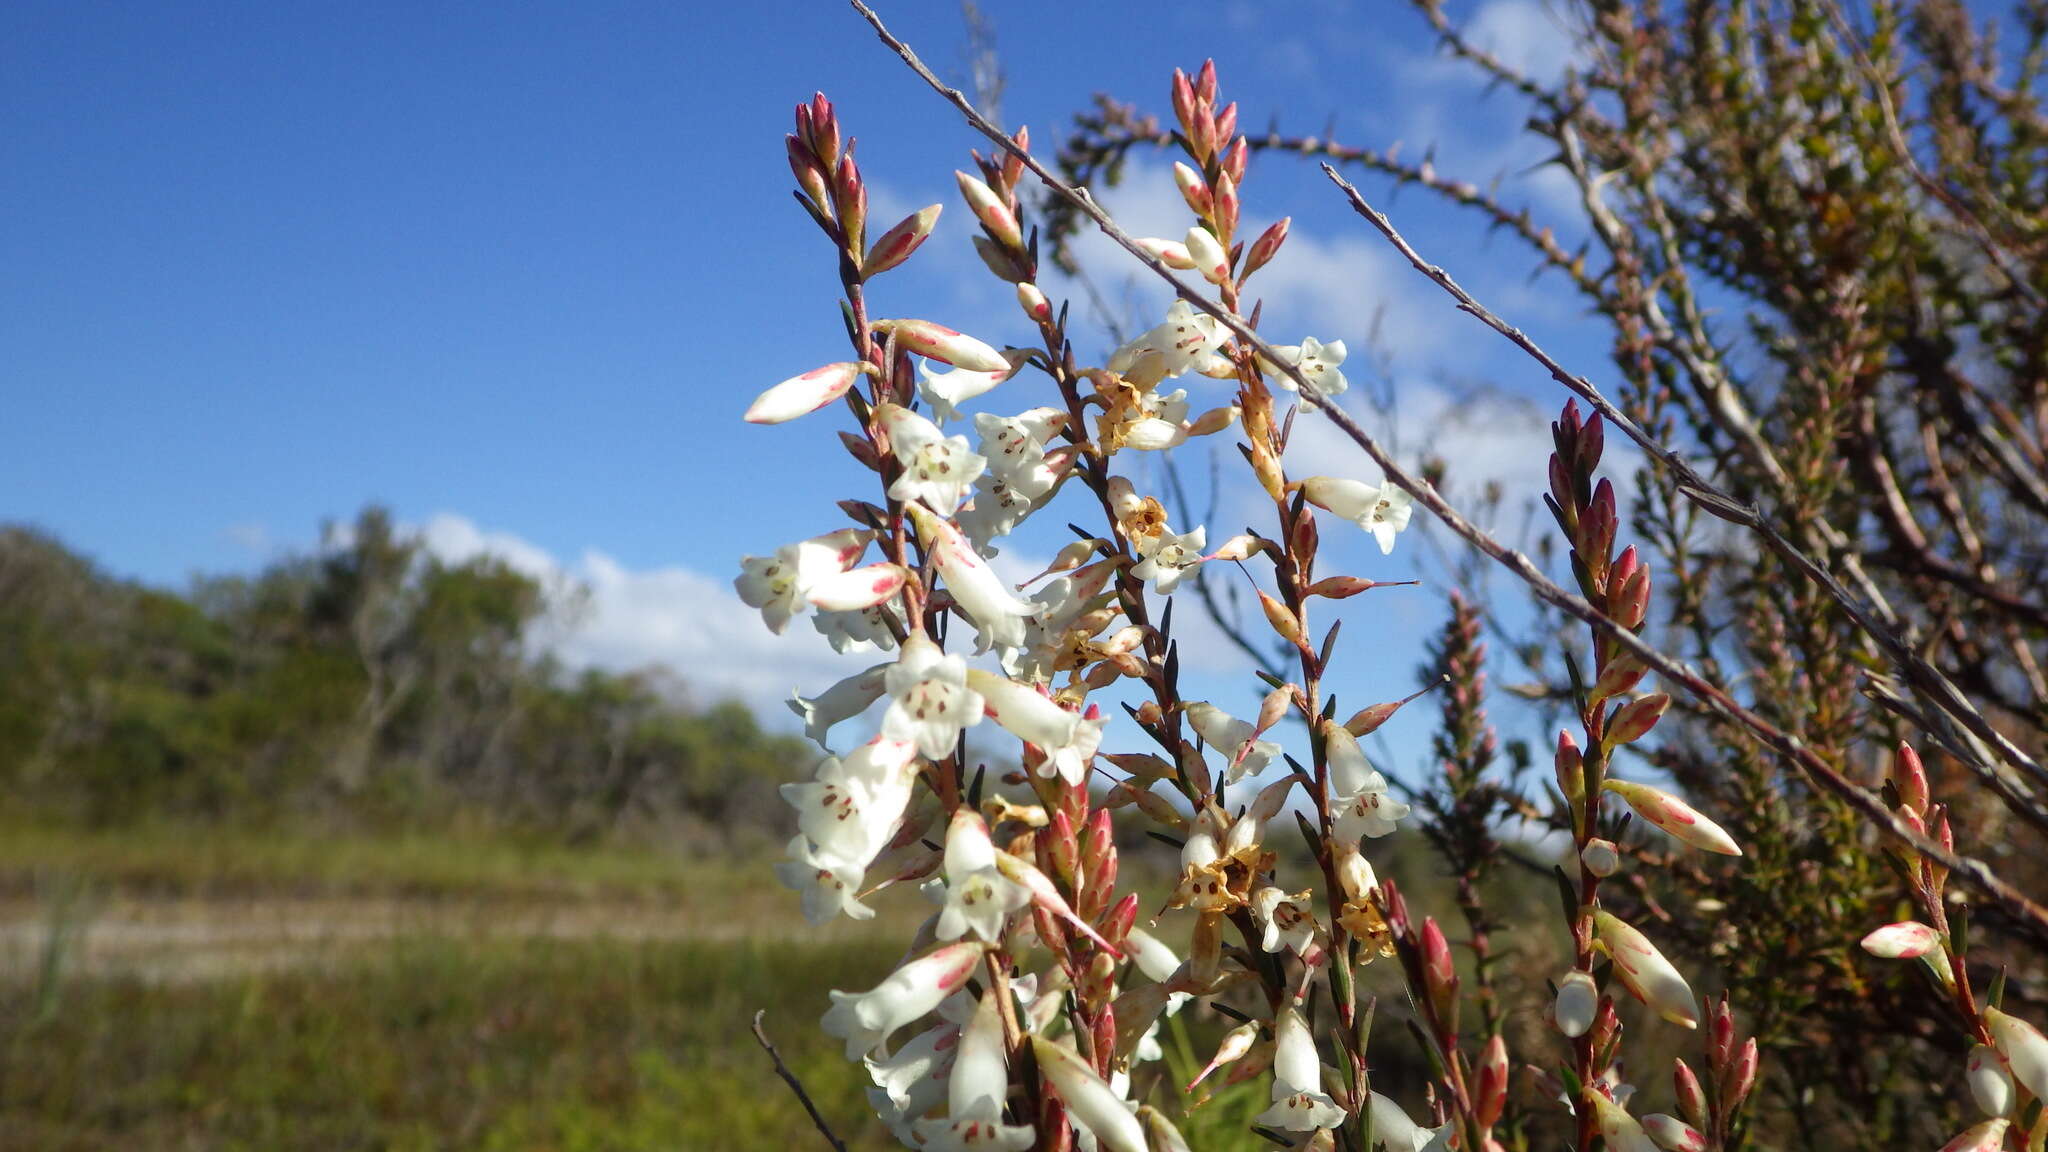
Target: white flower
1619, 1129
946, 391
1578, 1003
1233, 738
1288, 925
861, 629
780, 585
930, 701
866, 1019
1357, 790
850, 811
1015, 445
803, 394
1317, 361
977, 895
997, 613
1393, 1130
829, 885
1299, 1104
1990, 1083
975, 1092
937, 469
1169, 559
912, 1081
1093, 1105
842, 701
2024, 1049
1383, 511
1182, 343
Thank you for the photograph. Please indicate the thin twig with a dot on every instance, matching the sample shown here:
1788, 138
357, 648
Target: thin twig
795, 1085
1824, 775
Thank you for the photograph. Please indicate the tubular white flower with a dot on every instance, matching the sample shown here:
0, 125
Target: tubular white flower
937, 469
829, 886
1170, 559
943, 344
1235, 739
1383, 511
1015, 445
975, 1093
851, 809
1990, 1083
930, 703
1681, 820
2024, 1049
1357, 791
1299, 1104
1092, 1104
858, 589
1393, 1130
860, 630
864, 1020
944, 392
780, 585
1578, 1003
842, 701
912, 1081
1022, 712
1288, 924
1645, 972
997, 613
1155, 959
1179, 345
801, 395
978, 897
1317, 361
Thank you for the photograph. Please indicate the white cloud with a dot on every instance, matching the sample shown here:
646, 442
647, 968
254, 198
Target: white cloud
673, 616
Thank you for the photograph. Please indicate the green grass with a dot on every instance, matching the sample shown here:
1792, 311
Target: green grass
190, 861
443, 1043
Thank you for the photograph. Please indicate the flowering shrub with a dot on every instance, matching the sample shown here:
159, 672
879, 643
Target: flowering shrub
1029, 1003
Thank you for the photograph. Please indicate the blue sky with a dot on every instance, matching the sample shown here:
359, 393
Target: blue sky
515, 270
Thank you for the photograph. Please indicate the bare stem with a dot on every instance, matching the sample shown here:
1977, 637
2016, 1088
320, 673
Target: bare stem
795, 1085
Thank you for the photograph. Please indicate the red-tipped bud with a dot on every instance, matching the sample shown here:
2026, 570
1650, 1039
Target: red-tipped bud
1281, 618
1674, 816
1275, 706
1673, 1134
896, 245
943, 344
1226, 124
990, 209
808, 177
1193, 188
1492, 1089
852, 192
804, 394
1741, 1075
1440, 974
1034, 303
1909, 776
824, 128
1202, 130
1692, 1098
1171, 253
1013, 164
1571, 775
1116, 924
1633, 720
1266, 247
1227, 206
1905, 940
1592, 439
1205, 81
1208, 254
1235, 159
1060, 846
1183, 100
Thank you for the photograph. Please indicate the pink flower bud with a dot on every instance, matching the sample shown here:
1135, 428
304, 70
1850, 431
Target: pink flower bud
1171, 253
941, 343
1193, 188
1674, 816
1633, 720
1491, 1093
858, 589
1033, 301
1226, 124
1692, 1099
1226, 204
805, 169
1208, 255
990, 210
1183, 98
1986, 1137
1673, 1134
1741, 1075
1904, 940
1571, 776
801, 395
1236, 1043
1092, 1104
1266, 246
1234, 161
1645, 972
1909, 776
896, 245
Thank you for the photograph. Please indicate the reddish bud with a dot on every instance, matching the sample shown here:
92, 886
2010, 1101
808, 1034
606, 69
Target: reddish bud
896, 245
1193, 188
1226, 125
1033, 301
1492, 1089
806, 172
852, 192
1234, 161
1266, 247
1183, 101
1909, 776
1742, 1076
1633, 720
1692, 1099
1205, 81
